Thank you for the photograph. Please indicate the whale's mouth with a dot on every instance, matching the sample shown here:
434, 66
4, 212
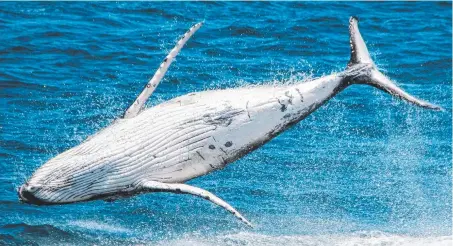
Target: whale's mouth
27, 196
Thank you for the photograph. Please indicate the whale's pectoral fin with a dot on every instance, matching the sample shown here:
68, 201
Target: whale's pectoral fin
187, 189
138, 104
360, 58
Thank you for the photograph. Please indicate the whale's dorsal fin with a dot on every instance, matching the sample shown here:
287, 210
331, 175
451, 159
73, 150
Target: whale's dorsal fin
138, 104
187, 189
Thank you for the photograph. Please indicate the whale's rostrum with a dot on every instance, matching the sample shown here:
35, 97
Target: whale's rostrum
159, 148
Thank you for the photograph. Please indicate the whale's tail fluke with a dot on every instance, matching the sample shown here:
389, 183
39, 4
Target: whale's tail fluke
362, 70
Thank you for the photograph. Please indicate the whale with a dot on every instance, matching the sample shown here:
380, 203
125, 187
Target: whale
160, 148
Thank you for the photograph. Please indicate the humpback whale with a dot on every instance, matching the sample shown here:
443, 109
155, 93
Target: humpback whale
158, 149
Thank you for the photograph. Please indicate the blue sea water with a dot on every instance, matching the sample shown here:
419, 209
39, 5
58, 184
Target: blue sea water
365, 169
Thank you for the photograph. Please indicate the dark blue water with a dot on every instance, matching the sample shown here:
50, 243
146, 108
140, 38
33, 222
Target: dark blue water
363, 169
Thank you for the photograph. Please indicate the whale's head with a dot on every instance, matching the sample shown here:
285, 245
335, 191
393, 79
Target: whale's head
33, 194
60, 180
72, 176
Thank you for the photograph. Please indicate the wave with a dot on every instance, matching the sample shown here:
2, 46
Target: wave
370, 238
18, 234
97, 226
25, 234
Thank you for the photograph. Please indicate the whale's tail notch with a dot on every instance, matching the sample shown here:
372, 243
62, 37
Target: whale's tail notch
369, 73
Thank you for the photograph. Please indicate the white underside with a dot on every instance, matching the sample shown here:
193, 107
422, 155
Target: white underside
178, 140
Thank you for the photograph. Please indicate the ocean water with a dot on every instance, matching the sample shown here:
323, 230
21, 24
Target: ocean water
365, 169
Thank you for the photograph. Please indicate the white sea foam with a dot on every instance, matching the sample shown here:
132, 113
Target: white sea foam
97, 226
361, 238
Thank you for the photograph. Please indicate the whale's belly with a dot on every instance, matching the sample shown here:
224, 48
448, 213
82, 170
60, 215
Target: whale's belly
191, 135
185, 137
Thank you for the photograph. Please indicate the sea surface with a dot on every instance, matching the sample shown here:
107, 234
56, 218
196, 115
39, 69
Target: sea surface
364, 169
